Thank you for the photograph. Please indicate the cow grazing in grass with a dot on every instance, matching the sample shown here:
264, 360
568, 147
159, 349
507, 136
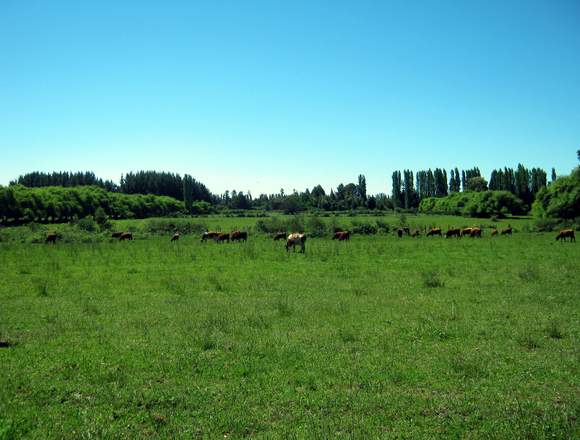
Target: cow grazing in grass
51, 238
416, 233
466, 231
296, 239
222, 236
175, 237
453, 232
341, 235
494, 233
239, 236
280, 236
507, 231
209, 235
475, 232
400, 232
434, 231
116, 234
407, 230
126, 236
566, 233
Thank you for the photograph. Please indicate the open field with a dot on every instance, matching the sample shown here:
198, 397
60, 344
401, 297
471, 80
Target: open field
375, 337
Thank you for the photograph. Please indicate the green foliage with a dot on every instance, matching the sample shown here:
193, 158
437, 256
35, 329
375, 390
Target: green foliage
22, 204
561, 200
474, 204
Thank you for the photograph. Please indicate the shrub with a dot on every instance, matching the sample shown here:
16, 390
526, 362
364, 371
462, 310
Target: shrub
474, 204
87, 224
363, 228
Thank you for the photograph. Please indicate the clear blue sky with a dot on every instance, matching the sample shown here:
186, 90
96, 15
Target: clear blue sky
260, 95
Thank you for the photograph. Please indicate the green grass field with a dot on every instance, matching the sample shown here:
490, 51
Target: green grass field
378, 337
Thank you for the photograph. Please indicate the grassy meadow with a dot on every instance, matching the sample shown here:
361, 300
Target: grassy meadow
378, 337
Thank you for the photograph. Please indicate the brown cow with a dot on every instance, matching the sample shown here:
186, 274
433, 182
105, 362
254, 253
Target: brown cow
475, 232
566, 233
494, 233
209, 234
296, 239
51, 238
175, 237
434, 231
126, 236
280, 236
222, 236
341, 235
239, 236
453, 232
116, 235
466, 231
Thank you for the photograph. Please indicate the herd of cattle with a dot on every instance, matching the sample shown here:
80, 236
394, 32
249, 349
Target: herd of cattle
299, 238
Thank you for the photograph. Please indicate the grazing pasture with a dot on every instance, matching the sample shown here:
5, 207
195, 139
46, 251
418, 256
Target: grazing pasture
374, 337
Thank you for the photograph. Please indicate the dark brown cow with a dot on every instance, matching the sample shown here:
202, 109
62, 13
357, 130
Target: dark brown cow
126, 236
209, 234
434, 231
175, 236
51, 238
280, 236
400, 232
475, 232
566, 233
239, 236
116, 235
341, 235
222, 236
507, 231
296, 239
453, 232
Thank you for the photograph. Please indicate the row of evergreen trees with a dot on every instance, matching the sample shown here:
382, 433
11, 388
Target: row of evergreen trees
408, 189
39, 179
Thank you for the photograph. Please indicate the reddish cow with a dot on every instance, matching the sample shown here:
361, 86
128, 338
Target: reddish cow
223, 236
434, 231
341, 235
209, 234
126, 236
453, 232
475, 232
566, 233
239, 236
466, 231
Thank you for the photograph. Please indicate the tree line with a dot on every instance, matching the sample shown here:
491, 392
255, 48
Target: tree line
19, 204
408, 189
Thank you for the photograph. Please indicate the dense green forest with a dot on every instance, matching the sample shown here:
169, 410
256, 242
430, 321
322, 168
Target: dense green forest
59, 196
